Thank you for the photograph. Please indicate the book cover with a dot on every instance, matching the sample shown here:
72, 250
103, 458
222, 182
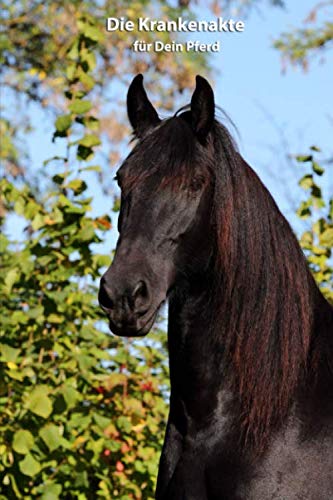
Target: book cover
167, 231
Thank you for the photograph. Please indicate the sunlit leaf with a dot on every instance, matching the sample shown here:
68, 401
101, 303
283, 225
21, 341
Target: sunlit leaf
29, 466
38, 401
23, 441
80, 106
51, 436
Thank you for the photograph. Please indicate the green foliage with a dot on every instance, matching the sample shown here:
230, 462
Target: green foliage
300, 45
82, 413
39, 46
317, 241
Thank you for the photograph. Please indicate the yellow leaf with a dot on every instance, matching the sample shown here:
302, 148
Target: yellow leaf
78, 441
48, 221
138, 427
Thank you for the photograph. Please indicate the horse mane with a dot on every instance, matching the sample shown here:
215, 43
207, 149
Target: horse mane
265, 295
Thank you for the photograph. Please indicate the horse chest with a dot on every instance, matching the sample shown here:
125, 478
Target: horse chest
291, 469
294, 469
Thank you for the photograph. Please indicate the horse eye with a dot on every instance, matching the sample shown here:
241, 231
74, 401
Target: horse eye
197, 183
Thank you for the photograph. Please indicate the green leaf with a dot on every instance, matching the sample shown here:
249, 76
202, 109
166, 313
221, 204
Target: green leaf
39, 403
70, 71
90, 59
92, 33
319, 226
91, 122
102, 260
306, 182
116, 204
29, 466
35, 312
51, 436
84, 153
317, 168
58, 178
101, 421
304, 158
20, 206
90, 140
73, 51
95, 168
307, 239
316, 193
316, 199
87, 80
16, 375
79, 106
37, 222
71, 396
63, 123
304, 211
124, 424
52, 491
8, 353
23, 441
326, 238
87, 233
77, 185
11, 278
55, 318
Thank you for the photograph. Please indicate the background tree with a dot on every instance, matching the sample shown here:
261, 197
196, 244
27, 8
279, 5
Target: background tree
311, 41
81, 412
298, 48
317, 239
38, 50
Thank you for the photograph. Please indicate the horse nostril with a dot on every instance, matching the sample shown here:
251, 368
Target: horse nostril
140, 290
104, 298
140, 297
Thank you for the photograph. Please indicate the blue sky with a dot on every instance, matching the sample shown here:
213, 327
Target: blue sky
269, 108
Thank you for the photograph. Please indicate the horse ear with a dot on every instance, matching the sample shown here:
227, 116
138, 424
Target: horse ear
202, 108
141, 113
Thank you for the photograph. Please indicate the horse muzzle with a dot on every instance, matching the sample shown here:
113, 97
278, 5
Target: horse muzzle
128, 306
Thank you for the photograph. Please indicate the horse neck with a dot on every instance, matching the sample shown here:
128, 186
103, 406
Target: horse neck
195, 354
205, 374
250, 331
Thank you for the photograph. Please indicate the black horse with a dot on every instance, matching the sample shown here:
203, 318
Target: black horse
250, 335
